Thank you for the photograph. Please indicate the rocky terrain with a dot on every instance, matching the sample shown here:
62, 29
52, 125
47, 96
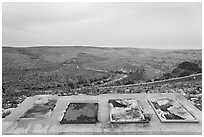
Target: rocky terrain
73, 67
88, 70
190, 89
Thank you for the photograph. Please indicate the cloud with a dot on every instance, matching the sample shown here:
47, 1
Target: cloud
154, 25
34, 13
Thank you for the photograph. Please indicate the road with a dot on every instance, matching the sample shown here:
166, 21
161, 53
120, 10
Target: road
194, 76
97, 70
114, 80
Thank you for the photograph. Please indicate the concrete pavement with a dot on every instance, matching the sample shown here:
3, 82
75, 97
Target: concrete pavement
51, 125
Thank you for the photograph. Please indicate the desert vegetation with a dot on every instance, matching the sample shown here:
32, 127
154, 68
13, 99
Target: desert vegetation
89, 70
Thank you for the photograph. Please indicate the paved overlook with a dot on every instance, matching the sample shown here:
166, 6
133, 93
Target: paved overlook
16, 123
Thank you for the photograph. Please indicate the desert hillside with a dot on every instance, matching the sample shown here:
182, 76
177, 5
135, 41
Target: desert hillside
73, 67
89, 70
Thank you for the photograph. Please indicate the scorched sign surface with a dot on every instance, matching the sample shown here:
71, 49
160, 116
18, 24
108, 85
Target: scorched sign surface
170, 110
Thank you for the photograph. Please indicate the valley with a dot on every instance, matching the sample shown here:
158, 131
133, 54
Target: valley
93, 71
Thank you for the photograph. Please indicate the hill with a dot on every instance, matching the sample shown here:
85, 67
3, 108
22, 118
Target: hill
40, 68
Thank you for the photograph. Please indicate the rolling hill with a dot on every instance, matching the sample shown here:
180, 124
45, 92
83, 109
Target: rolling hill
40, 68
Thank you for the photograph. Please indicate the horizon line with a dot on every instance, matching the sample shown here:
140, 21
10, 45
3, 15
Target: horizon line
95, 46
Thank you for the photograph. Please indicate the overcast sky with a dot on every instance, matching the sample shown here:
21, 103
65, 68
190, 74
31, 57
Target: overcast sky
148, 25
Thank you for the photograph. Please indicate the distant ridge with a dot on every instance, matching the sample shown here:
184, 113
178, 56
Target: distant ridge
90, 46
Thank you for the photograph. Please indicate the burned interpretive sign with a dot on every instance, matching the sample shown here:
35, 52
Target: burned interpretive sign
169, 110
41, 108
127, 111
80, 113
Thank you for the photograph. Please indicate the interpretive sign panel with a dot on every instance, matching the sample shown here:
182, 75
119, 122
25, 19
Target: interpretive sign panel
41, 108
170, 110
80, 113
126, 110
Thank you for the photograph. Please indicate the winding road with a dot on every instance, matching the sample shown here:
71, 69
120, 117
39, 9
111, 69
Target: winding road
194, 76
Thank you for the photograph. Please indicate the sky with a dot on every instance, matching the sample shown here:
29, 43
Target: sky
169, 25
